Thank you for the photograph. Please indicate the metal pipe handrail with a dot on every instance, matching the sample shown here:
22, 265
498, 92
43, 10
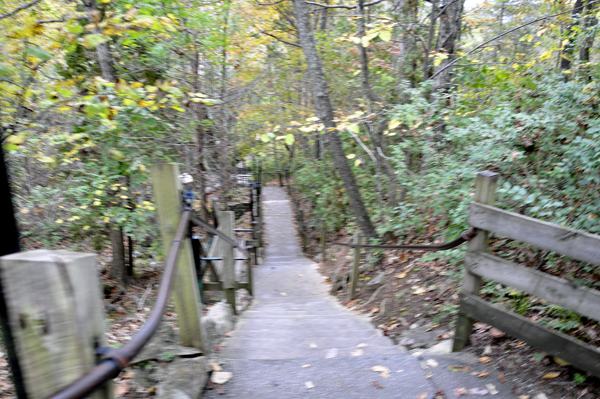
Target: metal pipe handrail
464, 237
118, 359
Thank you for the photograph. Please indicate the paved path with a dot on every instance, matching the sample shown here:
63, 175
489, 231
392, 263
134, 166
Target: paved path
296, 335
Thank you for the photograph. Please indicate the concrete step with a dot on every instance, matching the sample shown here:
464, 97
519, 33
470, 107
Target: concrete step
303, 323
284, 341
267, 351
336, 378
360, 334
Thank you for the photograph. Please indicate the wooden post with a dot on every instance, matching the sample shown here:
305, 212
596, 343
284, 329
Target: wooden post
56, 317
355, 268
485, 193
227, 220
167, 194
323, 237
250, 263
280, 178
215, 208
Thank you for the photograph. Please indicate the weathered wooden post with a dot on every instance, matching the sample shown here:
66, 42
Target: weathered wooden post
323, 237
215, 208
485, 193
250, 263
227, 220
56, 318
167, 194
280, 178
355, 267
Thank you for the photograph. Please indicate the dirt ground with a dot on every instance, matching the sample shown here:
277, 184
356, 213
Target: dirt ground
419, 292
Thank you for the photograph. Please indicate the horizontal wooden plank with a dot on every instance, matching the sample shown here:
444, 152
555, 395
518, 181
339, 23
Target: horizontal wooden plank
569, 349
582, 300
573, 243
213, 286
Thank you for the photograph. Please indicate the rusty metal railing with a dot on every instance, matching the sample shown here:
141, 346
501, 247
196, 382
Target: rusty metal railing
117, 359
464, 237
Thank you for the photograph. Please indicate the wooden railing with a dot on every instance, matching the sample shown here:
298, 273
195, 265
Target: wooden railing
55, 308
481, 264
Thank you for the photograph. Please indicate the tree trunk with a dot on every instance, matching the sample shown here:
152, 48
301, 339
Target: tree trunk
567, 55
405, 61
589, 22
102, 50
118, 270
364, 60
448, 36
325, 113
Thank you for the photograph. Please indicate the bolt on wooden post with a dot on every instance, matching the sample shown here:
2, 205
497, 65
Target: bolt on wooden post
55, 309
167, 194
485, 193
355, 267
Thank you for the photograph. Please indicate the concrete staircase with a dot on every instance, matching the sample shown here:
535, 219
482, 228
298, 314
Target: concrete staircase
297, 341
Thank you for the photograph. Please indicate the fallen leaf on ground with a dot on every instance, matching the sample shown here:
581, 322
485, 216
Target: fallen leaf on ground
385, 372
494, 332
399, 371
484, 374
283, 294
313, 345
401, 275
362, 345
523, 397
485, 359
309, 384
351, 303
551, 375
376, 384
431, 363
432, 328
357, 352
422, 396
374, 310
477, 391
333, 352
560, 362
502, 377
458, 392
121, 389
221, 377
216, 367
492, 389
419, 291
305, 366
540, 396
458, 369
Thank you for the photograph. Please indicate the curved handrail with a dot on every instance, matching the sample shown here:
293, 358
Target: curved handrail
464, 237
118, 359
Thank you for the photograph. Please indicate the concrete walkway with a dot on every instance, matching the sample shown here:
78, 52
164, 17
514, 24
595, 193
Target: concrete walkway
297, 341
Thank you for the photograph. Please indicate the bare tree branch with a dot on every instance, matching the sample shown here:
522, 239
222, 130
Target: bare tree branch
498, 37
314, 3
280, 39
269, 4
19, 9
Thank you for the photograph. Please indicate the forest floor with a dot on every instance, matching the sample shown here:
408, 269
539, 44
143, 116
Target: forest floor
415, 293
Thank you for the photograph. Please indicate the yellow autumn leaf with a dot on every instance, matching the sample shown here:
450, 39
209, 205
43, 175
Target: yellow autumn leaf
364, 41
128, 102
142, 168
551, 375
394, 123
59, 221
46, 159
144, 103
546, 55
385, 35
96, 203
85, 228
137, 85
151, 89
357, 162
350, 156
14, 139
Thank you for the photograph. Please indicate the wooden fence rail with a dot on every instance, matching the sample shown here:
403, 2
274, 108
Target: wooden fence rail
55, 308
480, 264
